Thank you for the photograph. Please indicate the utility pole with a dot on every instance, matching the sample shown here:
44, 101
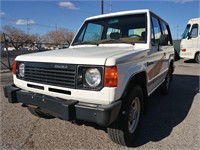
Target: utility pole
110, 5
177, 32
27, 26
102, 7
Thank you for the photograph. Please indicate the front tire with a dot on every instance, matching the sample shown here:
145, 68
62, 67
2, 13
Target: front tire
125, 129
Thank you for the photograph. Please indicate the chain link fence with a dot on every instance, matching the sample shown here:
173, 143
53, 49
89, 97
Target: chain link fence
9, 53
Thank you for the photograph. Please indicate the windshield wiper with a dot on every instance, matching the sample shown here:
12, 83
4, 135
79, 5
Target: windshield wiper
104, 42
86, 43
116, 41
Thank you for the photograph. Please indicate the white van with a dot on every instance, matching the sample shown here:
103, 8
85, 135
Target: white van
190, 43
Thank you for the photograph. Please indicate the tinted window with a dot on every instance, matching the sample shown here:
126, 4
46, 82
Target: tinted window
194, 31
164, 28
156, 31
165, 31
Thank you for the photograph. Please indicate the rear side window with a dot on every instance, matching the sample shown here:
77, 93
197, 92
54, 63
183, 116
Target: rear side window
159, 28
155, 30
164, 28
166, 31
194, 31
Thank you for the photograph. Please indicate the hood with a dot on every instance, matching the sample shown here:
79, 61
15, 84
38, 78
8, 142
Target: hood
95, 55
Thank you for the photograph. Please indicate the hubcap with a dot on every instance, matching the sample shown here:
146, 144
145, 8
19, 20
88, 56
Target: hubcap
134, 115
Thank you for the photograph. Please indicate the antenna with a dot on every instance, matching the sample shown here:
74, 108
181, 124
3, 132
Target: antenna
102, 7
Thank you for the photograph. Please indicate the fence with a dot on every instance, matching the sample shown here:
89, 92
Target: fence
8, 55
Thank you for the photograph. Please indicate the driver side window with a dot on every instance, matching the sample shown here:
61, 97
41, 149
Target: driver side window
194, 31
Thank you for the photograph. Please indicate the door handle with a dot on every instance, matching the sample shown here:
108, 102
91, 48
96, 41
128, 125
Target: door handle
149, 63
164, 55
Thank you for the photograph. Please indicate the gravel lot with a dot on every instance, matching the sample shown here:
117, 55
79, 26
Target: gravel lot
172, 121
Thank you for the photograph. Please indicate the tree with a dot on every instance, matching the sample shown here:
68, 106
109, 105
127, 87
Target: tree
16, 36
59, 37
19, 38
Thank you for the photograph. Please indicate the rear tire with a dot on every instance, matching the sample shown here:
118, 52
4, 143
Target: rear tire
166, 84
38, 113
197, 57
124, 130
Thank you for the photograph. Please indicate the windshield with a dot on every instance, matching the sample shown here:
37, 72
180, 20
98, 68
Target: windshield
185, 34
121, 29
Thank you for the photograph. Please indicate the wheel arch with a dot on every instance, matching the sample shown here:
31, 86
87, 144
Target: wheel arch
140, 79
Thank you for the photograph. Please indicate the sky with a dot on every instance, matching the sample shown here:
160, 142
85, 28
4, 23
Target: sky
43, 16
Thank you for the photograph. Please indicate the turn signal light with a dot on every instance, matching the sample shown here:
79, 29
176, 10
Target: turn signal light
14, 67
183, 50
110, 77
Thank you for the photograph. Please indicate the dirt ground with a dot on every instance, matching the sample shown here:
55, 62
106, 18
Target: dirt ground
172, 121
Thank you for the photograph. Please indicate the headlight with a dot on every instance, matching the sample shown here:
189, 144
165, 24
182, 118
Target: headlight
93, 77
21, 69
90, 77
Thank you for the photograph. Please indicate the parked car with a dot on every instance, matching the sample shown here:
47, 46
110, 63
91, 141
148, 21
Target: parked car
190, 42
23, 48
105, 77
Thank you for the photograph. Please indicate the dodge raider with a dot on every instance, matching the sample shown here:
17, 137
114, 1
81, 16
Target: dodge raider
105, 77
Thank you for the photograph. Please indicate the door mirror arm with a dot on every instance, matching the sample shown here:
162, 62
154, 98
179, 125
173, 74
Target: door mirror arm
159, 47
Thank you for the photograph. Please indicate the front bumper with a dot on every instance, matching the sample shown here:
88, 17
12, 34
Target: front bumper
68, 110
187, 55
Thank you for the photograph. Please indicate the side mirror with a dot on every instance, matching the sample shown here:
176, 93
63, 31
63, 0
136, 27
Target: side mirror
164, 40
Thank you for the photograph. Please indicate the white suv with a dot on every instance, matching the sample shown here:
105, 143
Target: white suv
106, 75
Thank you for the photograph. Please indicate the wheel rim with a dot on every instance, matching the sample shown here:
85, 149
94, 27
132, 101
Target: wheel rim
134, 115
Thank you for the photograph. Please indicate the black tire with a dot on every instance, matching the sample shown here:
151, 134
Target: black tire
197, 57
122, 131
38, 113
165, 86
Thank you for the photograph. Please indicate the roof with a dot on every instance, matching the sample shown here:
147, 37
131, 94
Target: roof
119, 14
194, 20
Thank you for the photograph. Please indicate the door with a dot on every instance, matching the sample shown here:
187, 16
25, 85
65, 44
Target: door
194, 36
157, 72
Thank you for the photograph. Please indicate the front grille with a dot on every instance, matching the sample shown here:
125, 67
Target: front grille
63, 75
